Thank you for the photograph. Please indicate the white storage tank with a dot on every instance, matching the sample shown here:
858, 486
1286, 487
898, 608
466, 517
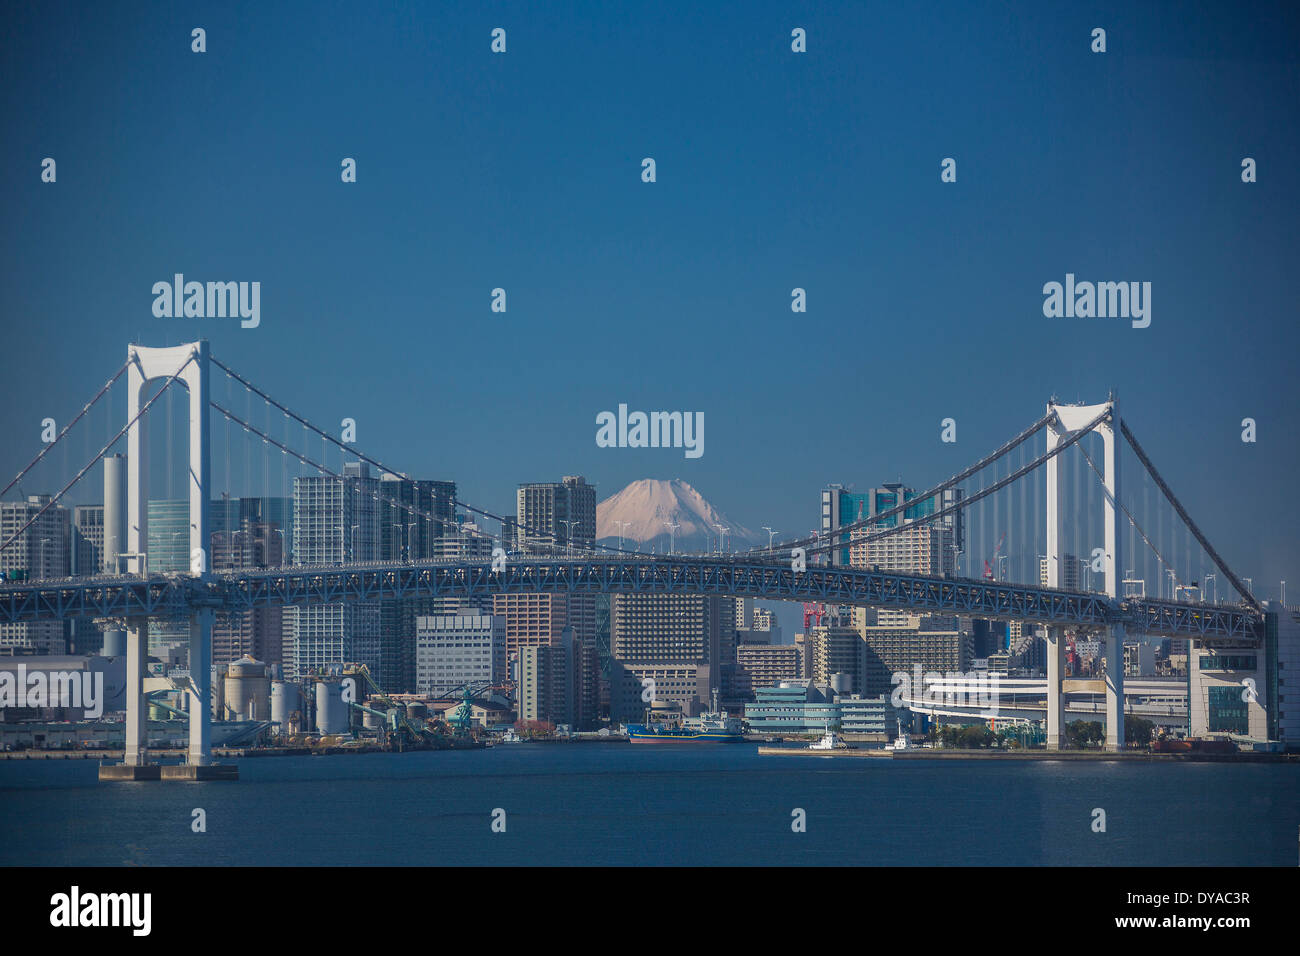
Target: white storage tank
331, 712
286, 697
248, 690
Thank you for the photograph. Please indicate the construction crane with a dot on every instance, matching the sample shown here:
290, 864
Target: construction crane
988, 570
463, 715
813, 612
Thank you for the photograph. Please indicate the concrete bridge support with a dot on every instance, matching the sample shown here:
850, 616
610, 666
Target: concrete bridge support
1069, 420
189, 363
1055, 674
1115, 688
137, 651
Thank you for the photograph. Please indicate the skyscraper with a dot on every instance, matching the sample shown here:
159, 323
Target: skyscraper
552, 516
259, 632
531, 620
415, 517
42, 551
336, 521
840, 507
674, 640
87, 559
168, 547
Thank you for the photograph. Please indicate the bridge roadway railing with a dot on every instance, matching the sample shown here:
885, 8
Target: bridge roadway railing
244, 589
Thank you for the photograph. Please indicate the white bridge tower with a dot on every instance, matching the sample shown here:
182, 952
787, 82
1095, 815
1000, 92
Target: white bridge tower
189, 364
1068, 420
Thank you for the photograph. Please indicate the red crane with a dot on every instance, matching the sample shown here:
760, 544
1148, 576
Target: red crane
813, 611
988, 571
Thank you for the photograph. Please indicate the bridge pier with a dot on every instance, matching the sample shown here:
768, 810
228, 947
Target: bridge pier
188, 364
137, 648
1115, 688
1055, 673
200, 695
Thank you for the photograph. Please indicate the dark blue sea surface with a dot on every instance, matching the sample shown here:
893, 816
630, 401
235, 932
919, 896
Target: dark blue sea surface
643, 805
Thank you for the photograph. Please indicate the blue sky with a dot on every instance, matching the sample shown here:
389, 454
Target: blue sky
775, 170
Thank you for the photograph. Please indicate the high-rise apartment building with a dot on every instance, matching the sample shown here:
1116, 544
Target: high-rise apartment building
551, 514
890, 649
258, 633
766, 665
168, 548
87, 540
336, 520
87, 559
531, 620
913, 549
552, 517
43, 551
841, 507
673, 640
837, 649
558, 683
1071, 572
415, 517
679, 628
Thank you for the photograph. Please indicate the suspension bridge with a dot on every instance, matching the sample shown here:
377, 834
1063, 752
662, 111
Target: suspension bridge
807, 569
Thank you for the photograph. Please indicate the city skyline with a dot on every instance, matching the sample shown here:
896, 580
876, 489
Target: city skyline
650, 434
677, 293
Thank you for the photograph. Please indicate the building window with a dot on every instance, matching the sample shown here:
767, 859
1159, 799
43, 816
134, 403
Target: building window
1227, 711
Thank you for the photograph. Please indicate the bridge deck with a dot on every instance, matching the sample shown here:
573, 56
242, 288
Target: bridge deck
174, 596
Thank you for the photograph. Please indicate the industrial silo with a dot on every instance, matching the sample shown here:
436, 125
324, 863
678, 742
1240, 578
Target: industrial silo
286, 698
114, 644
417, 710
248, 689
842, 683
331, 712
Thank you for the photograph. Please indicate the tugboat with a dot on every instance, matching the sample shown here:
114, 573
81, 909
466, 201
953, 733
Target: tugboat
902, 741
829, 741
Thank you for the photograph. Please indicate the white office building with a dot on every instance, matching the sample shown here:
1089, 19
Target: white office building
456, 649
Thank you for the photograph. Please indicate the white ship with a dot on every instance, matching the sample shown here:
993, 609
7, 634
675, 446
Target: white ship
829, 741
902, 741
